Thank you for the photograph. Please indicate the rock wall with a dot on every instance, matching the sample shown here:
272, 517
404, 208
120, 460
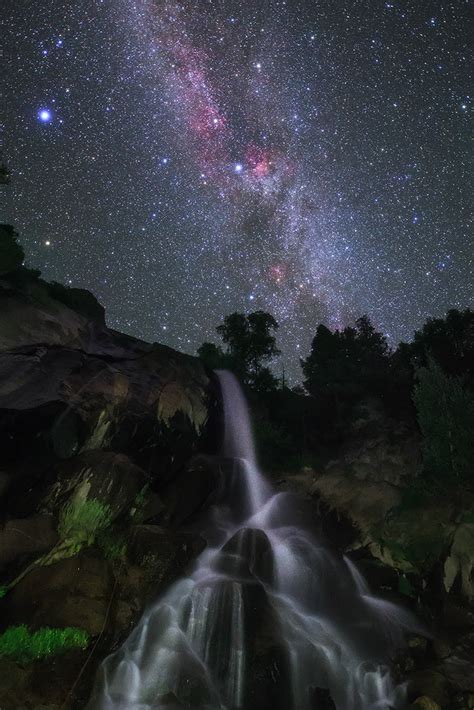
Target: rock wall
97, 430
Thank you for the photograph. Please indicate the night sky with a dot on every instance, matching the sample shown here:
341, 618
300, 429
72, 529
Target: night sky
185, 160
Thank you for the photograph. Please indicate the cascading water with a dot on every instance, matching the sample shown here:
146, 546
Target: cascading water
267, 617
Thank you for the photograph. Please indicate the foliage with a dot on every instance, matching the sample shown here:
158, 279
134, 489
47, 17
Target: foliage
274, 444
265, 381
3, 590
445, 409
214, 358
11, 252
82, 520
78, 299
20, 644
344, 367
448, 341
250, 344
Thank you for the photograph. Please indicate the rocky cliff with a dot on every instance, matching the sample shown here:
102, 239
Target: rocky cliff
99, 437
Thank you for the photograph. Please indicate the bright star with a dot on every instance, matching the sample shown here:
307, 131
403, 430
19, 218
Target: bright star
45, 115
238, 167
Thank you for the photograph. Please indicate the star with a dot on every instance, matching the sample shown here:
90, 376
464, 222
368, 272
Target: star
45, 115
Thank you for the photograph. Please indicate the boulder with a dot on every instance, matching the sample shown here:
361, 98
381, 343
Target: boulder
72, 592
20, 539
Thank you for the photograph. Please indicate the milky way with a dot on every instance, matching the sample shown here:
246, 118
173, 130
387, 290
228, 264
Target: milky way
184, 160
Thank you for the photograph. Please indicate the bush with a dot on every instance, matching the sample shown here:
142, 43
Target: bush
24, 646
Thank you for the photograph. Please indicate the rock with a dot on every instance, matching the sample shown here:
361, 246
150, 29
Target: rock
104, 476
73, 592
461, 561
20, 539
425, 703
458, 665
162, 553
321, 698
191, 490
430, 684
248, 554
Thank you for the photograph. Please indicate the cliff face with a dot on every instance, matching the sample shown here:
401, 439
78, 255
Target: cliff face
97, 430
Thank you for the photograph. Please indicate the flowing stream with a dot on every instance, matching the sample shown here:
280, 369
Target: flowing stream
267, 618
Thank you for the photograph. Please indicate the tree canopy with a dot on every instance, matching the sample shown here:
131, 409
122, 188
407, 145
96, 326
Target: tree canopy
250, 343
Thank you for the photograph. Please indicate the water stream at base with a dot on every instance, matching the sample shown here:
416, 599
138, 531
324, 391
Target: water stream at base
267, 616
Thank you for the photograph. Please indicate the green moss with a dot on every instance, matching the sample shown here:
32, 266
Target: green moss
82, 520
24, 646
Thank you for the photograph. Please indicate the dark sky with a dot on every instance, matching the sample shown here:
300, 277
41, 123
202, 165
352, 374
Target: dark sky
184, 160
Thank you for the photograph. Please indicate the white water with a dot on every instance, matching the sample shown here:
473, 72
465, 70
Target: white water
266, 578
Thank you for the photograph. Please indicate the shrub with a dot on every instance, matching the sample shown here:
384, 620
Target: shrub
20, 644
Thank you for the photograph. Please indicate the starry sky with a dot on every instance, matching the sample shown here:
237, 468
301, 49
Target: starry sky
184, 160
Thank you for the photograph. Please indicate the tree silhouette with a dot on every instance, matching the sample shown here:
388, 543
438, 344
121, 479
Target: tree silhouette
250, 344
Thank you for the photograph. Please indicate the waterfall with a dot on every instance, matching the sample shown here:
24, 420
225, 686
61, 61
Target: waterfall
267, 618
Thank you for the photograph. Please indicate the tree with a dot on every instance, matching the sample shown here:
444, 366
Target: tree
250, 343
214, 358
343, 368
11, 252
347, 363
449, 341
445, 411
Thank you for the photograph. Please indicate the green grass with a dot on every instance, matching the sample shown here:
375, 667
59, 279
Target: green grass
24, 646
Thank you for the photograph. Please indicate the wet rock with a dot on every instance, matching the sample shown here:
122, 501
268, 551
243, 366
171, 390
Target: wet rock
322, 700
162, 553
248, 554
191, 490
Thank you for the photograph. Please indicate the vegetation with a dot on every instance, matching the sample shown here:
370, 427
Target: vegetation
3, 590
24, 646
351, 371
80, 521
11, 252
445, 409
250, 343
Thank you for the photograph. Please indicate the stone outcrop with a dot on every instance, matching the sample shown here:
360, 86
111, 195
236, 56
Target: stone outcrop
97, 430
